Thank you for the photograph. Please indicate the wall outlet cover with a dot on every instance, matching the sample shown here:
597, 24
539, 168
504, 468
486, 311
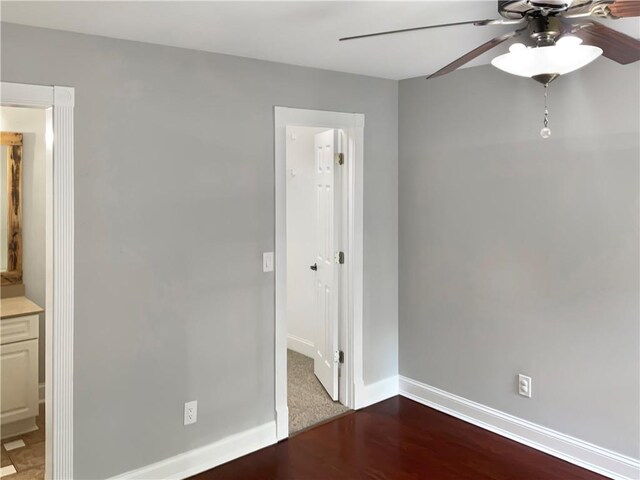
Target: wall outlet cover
524, 385
191, 412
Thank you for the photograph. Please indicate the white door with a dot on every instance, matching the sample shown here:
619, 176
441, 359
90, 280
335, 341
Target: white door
327, 282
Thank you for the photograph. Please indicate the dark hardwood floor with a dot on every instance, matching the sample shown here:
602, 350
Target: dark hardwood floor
398, 439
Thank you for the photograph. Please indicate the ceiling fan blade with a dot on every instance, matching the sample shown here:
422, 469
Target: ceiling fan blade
624, 8
615, 45
581, 8
499, 21
476, 52
413, 29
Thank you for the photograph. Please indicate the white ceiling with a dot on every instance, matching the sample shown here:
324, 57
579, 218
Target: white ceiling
299, 33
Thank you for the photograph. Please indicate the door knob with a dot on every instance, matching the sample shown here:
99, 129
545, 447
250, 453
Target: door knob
314, 267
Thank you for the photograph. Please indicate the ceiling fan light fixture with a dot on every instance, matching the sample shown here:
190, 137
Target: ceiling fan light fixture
567, 55
569, 41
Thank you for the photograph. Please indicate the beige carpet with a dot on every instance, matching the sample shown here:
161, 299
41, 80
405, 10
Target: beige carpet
309, 402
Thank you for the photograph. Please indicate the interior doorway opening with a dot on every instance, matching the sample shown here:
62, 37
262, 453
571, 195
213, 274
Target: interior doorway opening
318, 266
57, 103
25, 156
315, 328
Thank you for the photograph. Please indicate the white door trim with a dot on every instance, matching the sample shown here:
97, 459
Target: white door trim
352, 311
59, 102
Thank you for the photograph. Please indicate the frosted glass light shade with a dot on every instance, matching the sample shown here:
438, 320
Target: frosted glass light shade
564, 57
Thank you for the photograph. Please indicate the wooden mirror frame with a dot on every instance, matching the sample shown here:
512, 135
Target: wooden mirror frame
13, 275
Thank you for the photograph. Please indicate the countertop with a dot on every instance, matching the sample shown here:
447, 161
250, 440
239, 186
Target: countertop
18, 307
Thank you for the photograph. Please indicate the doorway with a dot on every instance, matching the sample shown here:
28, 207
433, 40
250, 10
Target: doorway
318, 266
23, 161
314, 197
50, 445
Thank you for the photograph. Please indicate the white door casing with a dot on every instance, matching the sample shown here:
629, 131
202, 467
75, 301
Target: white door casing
325, 365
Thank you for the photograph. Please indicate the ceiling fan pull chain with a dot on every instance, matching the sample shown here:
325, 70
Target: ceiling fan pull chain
546, 131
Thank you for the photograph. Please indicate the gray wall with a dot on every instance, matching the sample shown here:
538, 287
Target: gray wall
174, 206
519, 254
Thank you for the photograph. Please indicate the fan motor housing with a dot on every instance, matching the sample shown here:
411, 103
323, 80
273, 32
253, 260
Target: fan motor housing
515, 9
544, 30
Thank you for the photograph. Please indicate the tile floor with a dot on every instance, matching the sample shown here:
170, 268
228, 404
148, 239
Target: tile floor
28, 461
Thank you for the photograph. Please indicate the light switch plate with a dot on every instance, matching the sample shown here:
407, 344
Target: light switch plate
267, 262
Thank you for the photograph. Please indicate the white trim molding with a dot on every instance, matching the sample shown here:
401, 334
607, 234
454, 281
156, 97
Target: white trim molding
58, 103
353, 126
63, 284
565, 447
300, 345
24, 95
205, 458
377, 392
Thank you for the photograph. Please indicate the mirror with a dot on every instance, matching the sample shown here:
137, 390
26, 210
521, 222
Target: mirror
11, 208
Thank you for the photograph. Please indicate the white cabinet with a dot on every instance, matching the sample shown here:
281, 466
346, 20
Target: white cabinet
18, 329
19, 363
18, 374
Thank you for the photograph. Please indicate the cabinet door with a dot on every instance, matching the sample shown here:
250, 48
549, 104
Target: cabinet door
19, 374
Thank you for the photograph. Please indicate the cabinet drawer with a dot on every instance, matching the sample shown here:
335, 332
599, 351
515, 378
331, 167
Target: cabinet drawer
18, 329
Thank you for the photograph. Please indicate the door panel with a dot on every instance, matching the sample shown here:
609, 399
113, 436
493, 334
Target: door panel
325, 364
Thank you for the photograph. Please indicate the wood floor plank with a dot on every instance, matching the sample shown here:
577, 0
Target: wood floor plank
398, 439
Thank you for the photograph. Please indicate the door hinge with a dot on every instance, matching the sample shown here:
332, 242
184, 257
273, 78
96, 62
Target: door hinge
340, 158
341, 258
338, 356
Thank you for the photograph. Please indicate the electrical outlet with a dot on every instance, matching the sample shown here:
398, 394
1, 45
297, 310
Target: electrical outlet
190, 412
524, 385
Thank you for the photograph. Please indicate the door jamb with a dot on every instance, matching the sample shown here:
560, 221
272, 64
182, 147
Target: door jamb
59, 312
353, 286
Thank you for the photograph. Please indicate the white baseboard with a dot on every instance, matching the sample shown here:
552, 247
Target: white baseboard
204, 458
376, 392
282, 422
573, 450
301, 345
41, 393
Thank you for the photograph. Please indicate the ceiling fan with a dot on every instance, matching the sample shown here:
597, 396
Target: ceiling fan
546, 21
554, 32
